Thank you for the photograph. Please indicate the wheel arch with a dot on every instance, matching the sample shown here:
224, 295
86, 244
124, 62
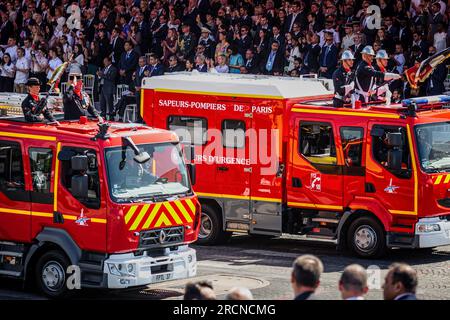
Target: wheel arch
348, 218
216, 205
51, 239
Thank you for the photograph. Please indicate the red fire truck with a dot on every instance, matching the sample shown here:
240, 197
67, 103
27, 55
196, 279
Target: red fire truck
274, 157
113, 200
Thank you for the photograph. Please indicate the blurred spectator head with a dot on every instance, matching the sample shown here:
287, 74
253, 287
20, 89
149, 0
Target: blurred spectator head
200, 59
107, 61
199, 291
348, 28
11, 41
275, 45
356, 26
353, 282
328, 38
244, 30
128, 45
306, 272
249, 54
431, 50
398, 48
173, 60
239, 293
142, 61
189, 64
400, 279
186, 28
205, 32
200, 49
296, 27
6, 59
20, 52
357, 38
221, 59
435, 7
153, 59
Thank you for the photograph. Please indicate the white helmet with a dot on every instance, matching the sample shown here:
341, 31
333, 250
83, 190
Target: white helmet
347, 55
368, 50
382, 54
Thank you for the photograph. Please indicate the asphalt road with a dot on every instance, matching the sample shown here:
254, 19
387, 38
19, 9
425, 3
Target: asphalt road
264, 265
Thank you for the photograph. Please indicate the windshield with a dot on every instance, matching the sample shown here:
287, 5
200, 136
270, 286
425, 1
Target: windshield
433, 141
163, 175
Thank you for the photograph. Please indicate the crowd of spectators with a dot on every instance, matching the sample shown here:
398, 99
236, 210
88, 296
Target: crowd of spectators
275, 37
400, 283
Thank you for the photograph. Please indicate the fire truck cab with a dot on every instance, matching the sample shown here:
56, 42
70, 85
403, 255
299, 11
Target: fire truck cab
94, 205
274, 157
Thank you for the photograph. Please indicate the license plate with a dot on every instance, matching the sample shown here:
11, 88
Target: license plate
162, 277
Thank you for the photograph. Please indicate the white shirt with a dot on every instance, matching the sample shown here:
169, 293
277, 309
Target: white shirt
222, 69
7, 71
355, 298
400, 58
12, 52
22, 77
27, 53
40, 64
53, 64
440, 41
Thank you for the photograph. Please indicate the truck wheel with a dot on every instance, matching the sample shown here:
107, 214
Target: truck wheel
51, 276
211, 228
366, 238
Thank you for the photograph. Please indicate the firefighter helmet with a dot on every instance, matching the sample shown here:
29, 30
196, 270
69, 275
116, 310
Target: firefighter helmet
368, 50
347, 55
382, 54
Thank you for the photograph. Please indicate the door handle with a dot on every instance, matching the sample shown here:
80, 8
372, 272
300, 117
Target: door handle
296, 182
222, 168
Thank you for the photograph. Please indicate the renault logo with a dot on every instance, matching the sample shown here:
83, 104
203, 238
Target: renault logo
162, 236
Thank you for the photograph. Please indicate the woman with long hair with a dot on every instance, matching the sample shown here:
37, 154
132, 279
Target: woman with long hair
170, 44
134, 35
7, 74
222, 45
261, 41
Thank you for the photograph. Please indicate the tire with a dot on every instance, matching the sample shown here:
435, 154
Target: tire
211, 228
53, 266
366, 238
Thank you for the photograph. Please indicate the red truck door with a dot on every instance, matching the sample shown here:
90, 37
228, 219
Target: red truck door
314, 179
15, 201
393, 189
234, 167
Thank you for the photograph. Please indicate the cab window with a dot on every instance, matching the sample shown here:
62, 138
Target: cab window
93, 199
11, 168
317, 143
352, 145
381, 149
233, 134
191, 130
41, 160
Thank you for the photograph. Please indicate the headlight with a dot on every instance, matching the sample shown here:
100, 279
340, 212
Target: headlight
122, 270
425, 228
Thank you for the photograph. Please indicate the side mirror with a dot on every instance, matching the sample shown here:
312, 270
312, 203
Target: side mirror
395, 139
80, 186
79, 163
395, 160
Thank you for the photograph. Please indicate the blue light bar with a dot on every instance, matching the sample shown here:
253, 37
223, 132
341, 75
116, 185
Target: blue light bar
426, 100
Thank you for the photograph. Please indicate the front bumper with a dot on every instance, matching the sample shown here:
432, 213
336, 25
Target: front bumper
432, 239
144, 270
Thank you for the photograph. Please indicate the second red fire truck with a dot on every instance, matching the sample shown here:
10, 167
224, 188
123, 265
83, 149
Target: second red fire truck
274, 157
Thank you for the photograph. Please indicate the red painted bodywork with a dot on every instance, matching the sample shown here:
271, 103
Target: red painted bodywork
343, 191
106, 232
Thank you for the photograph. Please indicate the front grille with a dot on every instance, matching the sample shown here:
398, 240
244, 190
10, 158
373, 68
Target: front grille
161, 237
445, 202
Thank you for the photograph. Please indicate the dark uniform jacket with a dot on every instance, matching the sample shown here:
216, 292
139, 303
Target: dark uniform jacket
74, 107
366, 76
30, 112
340, 79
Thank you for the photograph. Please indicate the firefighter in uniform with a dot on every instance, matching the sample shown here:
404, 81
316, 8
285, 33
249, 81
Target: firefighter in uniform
76, 102
35, 109
366, 76
380, 88
342, 80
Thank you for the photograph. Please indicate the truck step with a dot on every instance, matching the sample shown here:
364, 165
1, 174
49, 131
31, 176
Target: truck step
9, 273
